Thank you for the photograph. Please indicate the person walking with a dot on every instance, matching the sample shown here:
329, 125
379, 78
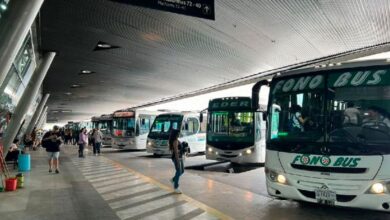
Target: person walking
34, 138
83, 141
52, 142
177, 158
97, 137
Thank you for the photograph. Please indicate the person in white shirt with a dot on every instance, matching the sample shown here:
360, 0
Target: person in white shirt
351, 114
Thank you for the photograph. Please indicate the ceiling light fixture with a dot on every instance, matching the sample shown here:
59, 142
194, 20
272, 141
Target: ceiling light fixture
86, 72
68, 93
66, 111
75, 86
104, 46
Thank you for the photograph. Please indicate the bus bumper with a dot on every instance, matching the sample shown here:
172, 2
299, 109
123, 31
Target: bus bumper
344, 198
157, 151
124, 144
157, 147
242, 156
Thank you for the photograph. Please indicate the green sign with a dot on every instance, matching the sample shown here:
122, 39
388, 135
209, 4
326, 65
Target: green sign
231, 103
368, 77
196, 8
317, 160
373, 77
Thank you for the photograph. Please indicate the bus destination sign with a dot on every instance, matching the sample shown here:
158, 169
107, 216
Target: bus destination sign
243, 103
196, 8
123, 114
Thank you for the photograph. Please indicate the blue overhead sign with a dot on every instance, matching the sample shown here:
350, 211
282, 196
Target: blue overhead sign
196, 8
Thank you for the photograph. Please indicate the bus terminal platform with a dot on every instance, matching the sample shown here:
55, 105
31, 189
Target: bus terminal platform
125, 185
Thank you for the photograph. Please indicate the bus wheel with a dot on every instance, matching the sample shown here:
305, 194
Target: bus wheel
156, 155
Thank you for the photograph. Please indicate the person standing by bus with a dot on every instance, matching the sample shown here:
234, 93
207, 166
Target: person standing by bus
177, 158
97, 136
83, 141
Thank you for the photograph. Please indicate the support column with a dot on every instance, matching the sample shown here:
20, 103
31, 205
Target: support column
41, 117
26, 100
13, 30
37, 113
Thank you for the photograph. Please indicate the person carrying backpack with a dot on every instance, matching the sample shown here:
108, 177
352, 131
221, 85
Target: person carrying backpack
52, 142
177, 151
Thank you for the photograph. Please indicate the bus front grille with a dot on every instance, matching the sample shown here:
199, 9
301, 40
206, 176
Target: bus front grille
329, 169
339, 198
228, 156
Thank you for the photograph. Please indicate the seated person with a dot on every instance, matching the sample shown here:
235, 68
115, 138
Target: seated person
297, 120
13, 151
28, 142
351, 114
377, 117
235, 121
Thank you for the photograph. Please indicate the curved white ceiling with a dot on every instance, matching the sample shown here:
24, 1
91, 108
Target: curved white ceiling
163, 54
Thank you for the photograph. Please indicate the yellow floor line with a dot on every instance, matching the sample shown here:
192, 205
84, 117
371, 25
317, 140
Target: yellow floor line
190, 200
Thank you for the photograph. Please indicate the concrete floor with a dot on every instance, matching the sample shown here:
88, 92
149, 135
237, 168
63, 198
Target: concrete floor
238, 195
134, 185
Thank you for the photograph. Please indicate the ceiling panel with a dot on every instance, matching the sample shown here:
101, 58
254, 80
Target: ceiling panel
163, 54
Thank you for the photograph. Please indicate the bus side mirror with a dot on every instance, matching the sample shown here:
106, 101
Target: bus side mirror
143, 121
265, 114
186, 126
201, 117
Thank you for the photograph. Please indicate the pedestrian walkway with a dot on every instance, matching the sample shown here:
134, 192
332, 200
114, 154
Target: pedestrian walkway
134, 196
95, 188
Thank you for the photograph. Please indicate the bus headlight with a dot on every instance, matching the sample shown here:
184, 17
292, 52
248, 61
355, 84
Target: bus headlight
149, 143
377, 188
248, 151
276, 177
210, 149
281, 179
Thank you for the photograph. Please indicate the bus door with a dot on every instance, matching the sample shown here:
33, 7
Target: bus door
260, 129
192, 134
143, 124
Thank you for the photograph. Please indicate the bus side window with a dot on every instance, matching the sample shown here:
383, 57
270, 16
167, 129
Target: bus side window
192, 126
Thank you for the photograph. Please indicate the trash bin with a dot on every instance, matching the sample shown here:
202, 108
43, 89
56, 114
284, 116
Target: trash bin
10, 184
24, 163
20, 179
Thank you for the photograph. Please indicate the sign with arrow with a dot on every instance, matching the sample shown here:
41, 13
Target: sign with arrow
197, 8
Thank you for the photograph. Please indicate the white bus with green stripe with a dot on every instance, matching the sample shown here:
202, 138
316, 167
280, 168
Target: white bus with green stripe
235, 131
331, 159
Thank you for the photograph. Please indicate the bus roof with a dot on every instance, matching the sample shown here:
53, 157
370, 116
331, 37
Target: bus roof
334, 66
183, 113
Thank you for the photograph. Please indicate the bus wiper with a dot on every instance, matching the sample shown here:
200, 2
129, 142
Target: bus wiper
298, 148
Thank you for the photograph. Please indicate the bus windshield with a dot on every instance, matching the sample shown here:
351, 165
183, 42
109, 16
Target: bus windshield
232, 126
346, 111
163, 124
123, 127
105, 126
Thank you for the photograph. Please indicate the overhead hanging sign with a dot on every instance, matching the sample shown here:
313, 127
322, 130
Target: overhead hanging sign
197, 8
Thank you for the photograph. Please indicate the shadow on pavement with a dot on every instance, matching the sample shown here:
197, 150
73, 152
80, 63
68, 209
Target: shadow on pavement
225, 167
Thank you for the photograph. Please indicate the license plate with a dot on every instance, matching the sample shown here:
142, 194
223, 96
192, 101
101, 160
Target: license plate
325, 196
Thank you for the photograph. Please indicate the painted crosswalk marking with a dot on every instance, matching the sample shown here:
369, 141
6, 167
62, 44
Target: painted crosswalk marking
133, 196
